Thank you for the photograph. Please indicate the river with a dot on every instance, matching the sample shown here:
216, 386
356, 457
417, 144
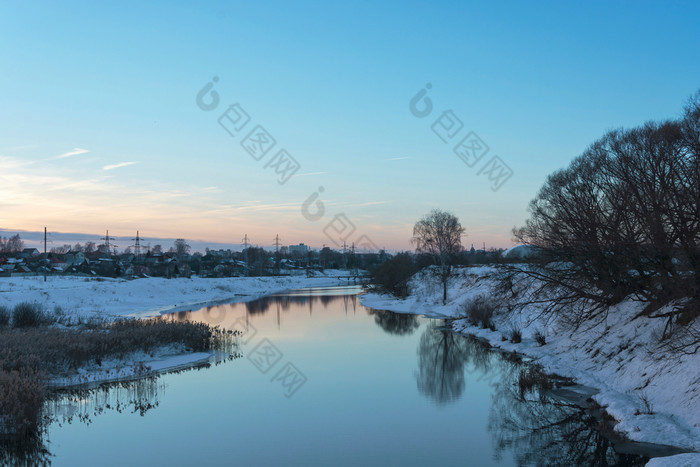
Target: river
321, 380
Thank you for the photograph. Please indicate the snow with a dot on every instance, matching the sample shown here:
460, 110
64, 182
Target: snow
136, 365
109, 299
618, 356
82, 299
680, 460
519, 252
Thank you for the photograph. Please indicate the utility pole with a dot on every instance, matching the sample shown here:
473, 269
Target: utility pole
137, 245
352, 260
277, 254
245, 254
107, 238
45, 255
277, 243
345, 258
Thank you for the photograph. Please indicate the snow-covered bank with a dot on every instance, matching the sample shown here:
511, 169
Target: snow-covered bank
136, 365
78, 299
619, 357
113, 298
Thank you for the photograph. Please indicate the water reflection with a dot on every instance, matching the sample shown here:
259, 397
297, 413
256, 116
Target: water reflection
399, 324
441, 358
541, 430
82, 406
433, 394
226, 316
537, 429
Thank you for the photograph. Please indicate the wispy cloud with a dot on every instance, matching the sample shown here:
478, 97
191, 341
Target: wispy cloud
310, 173
117, 166
398, 158
371, 203
74, 152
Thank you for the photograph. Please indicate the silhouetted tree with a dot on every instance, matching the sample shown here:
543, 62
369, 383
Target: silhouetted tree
393, 275
439, 234
181, 247
14, 244
623, 220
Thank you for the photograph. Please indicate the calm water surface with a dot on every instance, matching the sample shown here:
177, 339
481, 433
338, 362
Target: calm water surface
322, 380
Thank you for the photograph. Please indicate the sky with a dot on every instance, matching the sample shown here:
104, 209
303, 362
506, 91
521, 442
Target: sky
160, 116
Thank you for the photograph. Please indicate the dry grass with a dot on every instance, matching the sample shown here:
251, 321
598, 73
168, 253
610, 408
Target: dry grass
515, 334
534, 378
32, 355
479, 311
4, 316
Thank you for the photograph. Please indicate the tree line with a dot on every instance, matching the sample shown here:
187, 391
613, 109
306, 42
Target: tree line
622, 220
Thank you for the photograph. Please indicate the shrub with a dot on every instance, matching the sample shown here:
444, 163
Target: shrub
533, 378
393, 275
28, 314
4, 316
648, 407
25, 366
540, 337
516, 335
21, 400
479, 312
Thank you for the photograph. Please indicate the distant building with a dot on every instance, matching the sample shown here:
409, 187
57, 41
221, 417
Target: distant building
29, 253
299, 249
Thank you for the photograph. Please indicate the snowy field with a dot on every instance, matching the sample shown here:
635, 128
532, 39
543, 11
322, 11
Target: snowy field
618, 358
106, 298
80, 299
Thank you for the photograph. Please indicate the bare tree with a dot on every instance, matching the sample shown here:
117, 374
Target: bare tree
181, 247
622, 221
90, 247
439, 234
14, 244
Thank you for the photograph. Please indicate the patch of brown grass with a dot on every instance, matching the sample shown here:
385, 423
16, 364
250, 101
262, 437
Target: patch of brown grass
31, 355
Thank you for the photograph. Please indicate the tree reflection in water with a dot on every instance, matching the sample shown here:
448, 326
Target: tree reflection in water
219, 314
400, 324
537, 430
547, 431
441, 358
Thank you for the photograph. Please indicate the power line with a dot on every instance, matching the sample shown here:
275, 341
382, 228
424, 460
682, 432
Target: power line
137, 245
107, 238
277, 243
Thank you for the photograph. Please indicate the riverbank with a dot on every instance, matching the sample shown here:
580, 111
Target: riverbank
655, 397
78, 300
82, 298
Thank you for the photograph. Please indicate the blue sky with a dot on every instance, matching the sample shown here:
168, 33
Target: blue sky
111, 87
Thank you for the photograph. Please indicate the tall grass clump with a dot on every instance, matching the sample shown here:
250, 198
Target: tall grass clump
479, 311
540, 337
4, 316
22, 394
516, 334
32, 353
534, 378
28, 314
